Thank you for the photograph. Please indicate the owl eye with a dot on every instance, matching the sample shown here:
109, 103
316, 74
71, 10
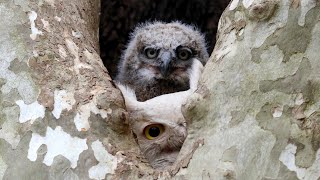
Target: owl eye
151, 53
184, 53
152, 131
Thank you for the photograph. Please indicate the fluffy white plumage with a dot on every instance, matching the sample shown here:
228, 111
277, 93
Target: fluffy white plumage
166, 111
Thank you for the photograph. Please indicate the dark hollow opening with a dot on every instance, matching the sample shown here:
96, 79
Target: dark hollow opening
119, 17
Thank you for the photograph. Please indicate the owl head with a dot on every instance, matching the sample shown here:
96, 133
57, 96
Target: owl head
158, 124
160, 51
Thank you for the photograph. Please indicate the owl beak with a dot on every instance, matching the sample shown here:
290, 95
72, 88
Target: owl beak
165, 67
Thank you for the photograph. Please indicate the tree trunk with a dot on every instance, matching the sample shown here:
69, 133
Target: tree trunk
255, 115
60, 115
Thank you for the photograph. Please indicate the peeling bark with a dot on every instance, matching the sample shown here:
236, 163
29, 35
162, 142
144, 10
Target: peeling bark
255, 114
61, 116
258, 93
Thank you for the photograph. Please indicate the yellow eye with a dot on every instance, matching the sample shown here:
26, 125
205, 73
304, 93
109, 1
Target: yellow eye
152, 131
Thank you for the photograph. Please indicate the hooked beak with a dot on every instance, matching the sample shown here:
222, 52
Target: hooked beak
165, 67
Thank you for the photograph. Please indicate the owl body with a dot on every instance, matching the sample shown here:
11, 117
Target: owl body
159, 57
158, 123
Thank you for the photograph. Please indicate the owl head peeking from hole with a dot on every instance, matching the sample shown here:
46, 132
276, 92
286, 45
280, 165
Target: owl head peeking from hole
158, 58
158, 123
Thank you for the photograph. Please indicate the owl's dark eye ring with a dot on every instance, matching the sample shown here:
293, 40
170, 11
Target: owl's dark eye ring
184, 53
153, 130
151, 53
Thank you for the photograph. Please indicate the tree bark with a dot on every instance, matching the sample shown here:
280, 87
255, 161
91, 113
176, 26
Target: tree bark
255, 114
60, 115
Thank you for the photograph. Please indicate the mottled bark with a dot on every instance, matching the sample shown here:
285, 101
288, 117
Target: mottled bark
60, 115
256, 111
255, 114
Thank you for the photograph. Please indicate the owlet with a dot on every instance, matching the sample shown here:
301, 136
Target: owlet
158, 58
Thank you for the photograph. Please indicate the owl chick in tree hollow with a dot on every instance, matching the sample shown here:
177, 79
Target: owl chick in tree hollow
158, 58
158, 123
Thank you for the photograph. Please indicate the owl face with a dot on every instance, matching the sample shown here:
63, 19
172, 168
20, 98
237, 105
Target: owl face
160, 141
158, 123
160, 63
165, 51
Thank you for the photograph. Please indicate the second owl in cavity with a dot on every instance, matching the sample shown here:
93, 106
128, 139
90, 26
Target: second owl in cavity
159, 58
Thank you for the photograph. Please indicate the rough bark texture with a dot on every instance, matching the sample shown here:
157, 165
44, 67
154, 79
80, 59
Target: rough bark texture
255, 114
257, 109
60, 115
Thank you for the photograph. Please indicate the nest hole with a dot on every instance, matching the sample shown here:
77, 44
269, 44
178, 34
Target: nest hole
119, 17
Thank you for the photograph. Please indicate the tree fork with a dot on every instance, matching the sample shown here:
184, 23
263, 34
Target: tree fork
255, 114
